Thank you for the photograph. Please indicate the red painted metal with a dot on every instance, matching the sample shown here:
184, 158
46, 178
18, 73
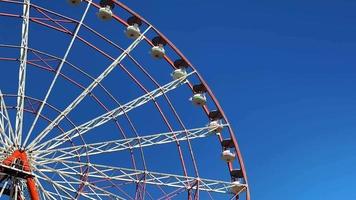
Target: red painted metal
31, 184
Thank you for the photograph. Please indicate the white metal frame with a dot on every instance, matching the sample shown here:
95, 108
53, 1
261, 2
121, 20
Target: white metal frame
129, 143
131, 175
22, 72
104, 118
63, 60
87, 90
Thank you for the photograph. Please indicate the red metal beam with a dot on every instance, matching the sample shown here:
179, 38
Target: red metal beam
31, 185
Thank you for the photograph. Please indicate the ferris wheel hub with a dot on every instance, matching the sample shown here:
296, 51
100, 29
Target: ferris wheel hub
17, 167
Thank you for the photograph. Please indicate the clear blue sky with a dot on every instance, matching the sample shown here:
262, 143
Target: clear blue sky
285, 74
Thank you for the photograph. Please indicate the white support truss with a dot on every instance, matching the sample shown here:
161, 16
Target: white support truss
129, 143
22, 72
102, 119
88, 90
103, 172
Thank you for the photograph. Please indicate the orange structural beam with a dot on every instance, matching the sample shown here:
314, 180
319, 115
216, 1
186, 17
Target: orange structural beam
22, 156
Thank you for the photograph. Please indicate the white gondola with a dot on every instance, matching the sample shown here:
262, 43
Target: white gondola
228, 156
179, 73
199, 99
133, 31
105, 13
74, 2
237, 187
216, 126
158, 52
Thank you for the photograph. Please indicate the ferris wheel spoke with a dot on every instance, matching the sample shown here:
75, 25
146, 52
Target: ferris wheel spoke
102, 119
88, 90
5, 124
52, 195
71, 171
64, 189
4, 141
58, 71
72, 175
22, 72
129, 143
70, 184
3, 188
96, 194
46, 195
105, 172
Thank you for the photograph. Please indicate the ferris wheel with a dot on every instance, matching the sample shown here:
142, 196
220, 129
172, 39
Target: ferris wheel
96, 103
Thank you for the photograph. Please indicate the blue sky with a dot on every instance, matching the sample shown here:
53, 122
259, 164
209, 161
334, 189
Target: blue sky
285, 74
283, 71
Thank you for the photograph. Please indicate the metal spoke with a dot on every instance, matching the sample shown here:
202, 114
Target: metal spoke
3, 188
72, 176
46, 194
22, 72
58, 71
129, 143
154, 178
64, 189
6, 131
88, 90
81, 129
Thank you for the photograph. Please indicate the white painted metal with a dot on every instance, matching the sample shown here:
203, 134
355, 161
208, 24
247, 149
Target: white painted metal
59, 69
42, 169
81, 129
22, 72
153, 178
6, 131
129, 143
3, 188
87, 90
